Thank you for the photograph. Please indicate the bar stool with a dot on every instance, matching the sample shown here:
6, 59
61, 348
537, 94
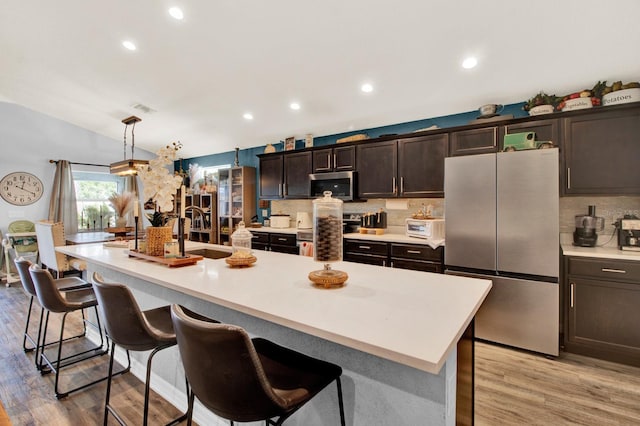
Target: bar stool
243, 379
54, 300
135, 330
62, 284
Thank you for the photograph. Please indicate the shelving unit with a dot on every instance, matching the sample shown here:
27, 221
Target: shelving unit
236, 199
203, 228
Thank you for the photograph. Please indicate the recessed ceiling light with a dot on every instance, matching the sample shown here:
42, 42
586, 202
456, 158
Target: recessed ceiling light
469, 63
366, 88
247, 116
294, 106
176, 12
129, 45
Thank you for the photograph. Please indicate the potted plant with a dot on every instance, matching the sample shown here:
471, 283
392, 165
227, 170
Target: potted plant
160, 185
541, 104
122, 204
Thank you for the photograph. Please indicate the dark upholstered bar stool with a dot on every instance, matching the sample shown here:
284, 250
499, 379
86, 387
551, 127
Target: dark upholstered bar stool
133, 330
243, 379
62, 284
54, 300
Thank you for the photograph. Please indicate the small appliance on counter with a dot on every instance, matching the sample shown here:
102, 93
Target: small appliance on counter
587, 227
279, 220
629, 233
303, 220
425, 228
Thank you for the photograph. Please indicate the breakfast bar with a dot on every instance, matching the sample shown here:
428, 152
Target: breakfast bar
394, 332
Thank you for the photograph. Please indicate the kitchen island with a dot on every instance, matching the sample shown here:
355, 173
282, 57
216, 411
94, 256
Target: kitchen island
394, 332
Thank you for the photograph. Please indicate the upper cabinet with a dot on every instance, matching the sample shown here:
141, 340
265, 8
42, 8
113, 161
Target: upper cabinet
601, 151
474, 141
285, 175
421, 166
411, 167
337, 159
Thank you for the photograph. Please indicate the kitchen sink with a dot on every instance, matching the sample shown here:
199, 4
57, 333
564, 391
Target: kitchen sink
209, 253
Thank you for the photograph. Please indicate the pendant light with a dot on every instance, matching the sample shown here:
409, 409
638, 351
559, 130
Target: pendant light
128, 167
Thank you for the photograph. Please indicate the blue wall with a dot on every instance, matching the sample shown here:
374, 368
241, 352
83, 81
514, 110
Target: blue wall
248, 157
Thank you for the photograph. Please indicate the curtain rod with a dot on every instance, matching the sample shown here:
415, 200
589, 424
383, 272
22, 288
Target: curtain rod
81, 164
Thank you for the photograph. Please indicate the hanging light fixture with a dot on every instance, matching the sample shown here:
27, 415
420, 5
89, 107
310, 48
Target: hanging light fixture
128, 167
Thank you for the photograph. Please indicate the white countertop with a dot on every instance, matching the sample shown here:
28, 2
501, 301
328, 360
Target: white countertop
277, 230
609, 250
413, 318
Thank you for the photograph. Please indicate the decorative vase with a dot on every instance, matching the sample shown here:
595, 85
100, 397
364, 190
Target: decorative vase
156, 237
121, 222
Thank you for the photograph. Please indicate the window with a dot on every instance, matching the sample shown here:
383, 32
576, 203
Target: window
93, 190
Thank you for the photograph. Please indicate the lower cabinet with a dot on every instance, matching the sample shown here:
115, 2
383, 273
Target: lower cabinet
417, 257
602, 309
281, 243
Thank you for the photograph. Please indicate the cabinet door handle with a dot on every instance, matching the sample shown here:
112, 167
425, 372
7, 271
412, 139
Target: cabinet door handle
572, 293
414, 251
365, 247
282, 239
335, 161
280, 189
568, 177
495, 136
328, 161
393, 185
401, 184
391, 264
616, 271
384, 263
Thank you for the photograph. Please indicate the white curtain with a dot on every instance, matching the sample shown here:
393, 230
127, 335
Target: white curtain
62, 206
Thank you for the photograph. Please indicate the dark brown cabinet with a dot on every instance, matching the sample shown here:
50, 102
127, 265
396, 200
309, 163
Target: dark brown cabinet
271, 177
545, 130
421, 166
601, 313
474, 141
377, 166
368, 252
338, 159
417, 257
285, 175
278, 242
297, 167
411, 167
602, 151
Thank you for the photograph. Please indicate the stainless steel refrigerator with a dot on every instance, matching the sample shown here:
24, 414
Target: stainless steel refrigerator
502, 224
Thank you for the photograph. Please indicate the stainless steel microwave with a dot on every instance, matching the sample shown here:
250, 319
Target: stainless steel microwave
341, 184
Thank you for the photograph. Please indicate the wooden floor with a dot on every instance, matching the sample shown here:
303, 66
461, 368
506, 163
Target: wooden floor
512, 387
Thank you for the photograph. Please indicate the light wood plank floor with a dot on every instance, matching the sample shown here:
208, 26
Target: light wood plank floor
512, 387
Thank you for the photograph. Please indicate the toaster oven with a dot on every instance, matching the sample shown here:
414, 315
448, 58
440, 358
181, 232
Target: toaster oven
425, 228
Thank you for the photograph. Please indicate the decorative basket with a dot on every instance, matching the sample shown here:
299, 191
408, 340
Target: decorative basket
156, 237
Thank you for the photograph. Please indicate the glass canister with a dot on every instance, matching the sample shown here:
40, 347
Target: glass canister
241, 239
327, 229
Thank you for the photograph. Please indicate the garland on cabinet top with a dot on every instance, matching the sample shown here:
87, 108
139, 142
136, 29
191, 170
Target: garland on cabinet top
600, 94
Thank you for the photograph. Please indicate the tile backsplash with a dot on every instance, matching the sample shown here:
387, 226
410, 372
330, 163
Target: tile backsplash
611, 208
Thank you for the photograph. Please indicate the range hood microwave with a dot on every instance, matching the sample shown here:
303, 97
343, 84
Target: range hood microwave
341, 184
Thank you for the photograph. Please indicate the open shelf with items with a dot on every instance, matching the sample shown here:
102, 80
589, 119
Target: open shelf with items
236, 199
201, 209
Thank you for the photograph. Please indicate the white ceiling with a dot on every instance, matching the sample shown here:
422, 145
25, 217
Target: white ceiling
64, 58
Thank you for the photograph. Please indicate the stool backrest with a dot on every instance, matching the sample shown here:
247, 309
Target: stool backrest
50, 235
223, 369
22, 266
48, 294
122, 316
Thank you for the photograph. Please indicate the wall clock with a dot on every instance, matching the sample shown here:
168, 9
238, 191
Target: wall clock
21, 188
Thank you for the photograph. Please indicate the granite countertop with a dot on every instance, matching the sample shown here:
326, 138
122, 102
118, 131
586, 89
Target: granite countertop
374, 312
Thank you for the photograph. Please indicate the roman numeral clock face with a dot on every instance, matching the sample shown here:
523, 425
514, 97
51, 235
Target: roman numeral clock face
21, 188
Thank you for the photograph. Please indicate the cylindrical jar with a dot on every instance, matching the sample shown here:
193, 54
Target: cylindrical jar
327, 229
241, 239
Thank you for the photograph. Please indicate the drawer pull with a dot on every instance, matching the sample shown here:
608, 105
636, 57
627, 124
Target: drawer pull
414, 251
365, 247
282, 239
617, 271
